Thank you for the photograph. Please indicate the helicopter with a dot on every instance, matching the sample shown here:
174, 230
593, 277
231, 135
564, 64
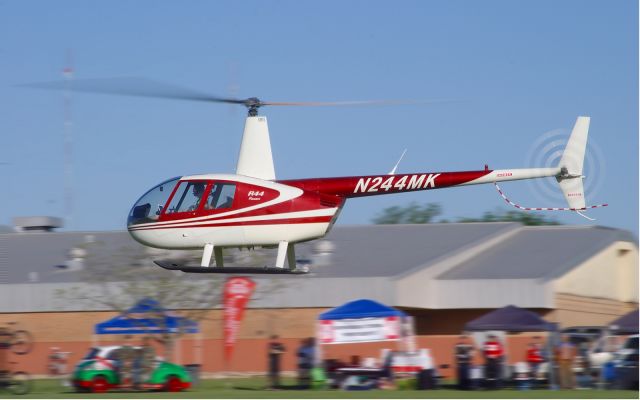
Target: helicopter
252, 208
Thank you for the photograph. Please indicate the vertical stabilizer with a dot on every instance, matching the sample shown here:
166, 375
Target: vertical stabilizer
573, 156
571, 163
255, 157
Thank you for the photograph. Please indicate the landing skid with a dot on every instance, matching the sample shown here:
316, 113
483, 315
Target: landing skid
174, 266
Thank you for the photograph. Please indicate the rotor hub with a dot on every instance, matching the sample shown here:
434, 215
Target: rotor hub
252, 104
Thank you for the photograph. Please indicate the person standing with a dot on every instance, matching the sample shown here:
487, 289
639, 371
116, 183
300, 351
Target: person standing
493, 353
534, 358
126, 358
565, 354
143, 363
275, 350
464, 355
305, 362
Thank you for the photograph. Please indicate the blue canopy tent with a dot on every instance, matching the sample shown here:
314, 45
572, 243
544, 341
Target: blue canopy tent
362, 321
147, 317
625, 325
362, 308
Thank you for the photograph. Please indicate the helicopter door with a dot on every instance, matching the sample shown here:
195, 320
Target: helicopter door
187, 198
221, 197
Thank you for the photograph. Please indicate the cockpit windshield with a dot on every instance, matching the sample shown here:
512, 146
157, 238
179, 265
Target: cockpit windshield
149, 207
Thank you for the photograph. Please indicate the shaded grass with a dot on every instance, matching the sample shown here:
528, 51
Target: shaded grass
254, 388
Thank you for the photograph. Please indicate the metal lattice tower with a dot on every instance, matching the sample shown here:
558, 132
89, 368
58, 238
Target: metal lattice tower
68, 141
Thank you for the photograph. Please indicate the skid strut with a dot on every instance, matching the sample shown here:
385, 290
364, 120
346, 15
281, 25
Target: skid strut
285, 251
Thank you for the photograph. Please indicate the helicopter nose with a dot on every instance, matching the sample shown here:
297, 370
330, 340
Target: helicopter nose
164, 238
144, 237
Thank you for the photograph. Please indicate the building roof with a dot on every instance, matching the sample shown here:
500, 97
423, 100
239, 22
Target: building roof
369, 250
557, 250
392, 250
48, 256
351, 262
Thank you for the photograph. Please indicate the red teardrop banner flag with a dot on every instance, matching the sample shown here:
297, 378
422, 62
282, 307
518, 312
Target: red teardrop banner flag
237, 292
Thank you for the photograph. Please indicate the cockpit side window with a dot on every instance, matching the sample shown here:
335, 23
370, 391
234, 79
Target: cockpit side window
150, 205
187, 197
221, 196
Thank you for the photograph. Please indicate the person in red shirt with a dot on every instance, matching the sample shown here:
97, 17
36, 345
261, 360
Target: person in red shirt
493, 353
534, 358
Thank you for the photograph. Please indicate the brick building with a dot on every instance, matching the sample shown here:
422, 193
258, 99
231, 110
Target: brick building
442, 274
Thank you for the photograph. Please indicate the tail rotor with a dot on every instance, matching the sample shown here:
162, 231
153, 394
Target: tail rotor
570, 162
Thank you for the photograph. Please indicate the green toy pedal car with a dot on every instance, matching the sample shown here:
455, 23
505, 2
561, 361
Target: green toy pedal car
102, 369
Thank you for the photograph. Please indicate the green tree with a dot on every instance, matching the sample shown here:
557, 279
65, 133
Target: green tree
414, 213
525, 218
116, 277
410, 214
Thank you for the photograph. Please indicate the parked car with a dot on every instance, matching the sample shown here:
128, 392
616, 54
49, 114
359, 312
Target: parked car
98, 372
595, 344
627, 364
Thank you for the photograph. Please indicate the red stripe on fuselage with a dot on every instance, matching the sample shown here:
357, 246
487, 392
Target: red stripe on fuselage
284, 221
307, 201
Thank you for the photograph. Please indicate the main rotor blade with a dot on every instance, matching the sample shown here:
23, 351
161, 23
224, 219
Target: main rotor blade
131, 86
334, 103
143, 87
350, 103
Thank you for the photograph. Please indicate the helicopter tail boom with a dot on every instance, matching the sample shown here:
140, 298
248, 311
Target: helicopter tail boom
568, 173
374, 185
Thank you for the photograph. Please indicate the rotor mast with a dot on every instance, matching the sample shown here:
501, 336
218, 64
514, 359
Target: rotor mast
255, 158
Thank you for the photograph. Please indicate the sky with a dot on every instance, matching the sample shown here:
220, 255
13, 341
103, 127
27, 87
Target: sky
519, 74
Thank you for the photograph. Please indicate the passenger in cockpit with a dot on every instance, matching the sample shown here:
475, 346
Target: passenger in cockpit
213, 197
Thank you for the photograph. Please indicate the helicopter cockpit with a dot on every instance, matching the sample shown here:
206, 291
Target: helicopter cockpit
189, 197
149, 207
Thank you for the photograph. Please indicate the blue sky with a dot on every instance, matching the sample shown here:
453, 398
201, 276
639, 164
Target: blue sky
521, 71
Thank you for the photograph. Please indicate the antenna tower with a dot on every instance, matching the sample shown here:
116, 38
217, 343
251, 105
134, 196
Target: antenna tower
67, 72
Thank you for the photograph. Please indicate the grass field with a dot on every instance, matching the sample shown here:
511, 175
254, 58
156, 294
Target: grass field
253, 388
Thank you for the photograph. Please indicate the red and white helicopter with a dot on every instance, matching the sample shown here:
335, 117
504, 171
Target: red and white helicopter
251, 208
